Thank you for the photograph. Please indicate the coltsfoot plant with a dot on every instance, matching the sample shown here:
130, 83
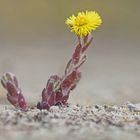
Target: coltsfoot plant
58, 87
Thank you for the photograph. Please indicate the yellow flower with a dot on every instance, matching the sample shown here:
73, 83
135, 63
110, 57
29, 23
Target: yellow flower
84, 23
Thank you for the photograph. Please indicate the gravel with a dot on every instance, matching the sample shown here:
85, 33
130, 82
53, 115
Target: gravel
79, 122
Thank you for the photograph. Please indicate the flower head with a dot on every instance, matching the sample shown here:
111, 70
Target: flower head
84, 23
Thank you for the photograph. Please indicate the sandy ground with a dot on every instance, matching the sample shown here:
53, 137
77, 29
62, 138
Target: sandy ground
71, 122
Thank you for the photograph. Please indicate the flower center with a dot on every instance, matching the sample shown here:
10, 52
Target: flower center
81, 21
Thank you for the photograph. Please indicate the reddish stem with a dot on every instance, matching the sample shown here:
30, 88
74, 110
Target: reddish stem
58, 89
14, 95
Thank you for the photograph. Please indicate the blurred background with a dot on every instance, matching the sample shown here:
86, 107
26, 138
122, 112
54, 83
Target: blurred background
35, 43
